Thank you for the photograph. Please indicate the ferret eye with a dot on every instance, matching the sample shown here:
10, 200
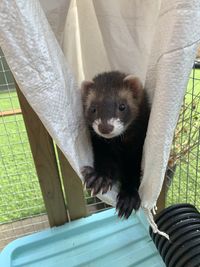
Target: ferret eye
93, 109
122, 107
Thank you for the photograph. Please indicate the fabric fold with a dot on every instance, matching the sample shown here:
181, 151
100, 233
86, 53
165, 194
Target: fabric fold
154, 40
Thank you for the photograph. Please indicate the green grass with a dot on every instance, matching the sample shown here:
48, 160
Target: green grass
8, 101
20, 194
186, 181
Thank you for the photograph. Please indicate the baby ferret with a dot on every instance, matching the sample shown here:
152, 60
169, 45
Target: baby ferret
116, 111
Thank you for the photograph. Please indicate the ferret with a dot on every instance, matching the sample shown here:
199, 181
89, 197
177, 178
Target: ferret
116, 111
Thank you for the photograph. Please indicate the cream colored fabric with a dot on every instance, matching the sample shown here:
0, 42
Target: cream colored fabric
154, 40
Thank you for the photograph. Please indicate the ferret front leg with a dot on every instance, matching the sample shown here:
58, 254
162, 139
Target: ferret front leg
101, 177
96, 182
128, 198
127, 201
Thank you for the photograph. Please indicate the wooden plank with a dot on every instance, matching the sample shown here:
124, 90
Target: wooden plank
10, 112
45, 162
161, 203
73, 189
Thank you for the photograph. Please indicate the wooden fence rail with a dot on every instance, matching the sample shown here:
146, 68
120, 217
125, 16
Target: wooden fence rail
10, 112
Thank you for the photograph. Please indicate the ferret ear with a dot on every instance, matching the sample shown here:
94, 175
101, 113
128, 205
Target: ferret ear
85, 86
135, 84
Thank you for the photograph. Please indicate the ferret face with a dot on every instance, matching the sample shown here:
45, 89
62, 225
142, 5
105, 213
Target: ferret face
109, 116
111, 105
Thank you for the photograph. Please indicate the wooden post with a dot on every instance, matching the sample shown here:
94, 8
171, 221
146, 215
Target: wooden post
45, 162
161, 203
73, 189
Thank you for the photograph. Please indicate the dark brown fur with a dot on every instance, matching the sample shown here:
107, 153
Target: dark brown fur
118, 158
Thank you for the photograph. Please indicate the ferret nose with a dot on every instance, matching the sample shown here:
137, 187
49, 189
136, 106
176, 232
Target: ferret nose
105, 128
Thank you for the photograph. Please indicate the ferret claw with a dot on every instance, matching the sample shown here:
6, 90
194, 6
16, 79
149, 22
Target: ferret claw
92, 192
84, 186
126, 203
97, 183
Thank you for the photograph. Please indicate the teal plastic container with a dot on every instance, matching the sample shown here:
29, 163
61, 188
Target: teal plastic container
101, 239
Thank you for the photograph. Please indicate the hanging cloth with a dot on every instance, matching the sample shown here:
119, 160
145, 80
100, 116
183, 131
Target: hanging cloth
154, 40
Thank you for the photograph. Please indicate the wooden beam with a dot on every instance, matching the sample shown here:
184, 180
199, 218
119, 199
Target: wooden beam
45, 162
161, 202
73, 189
10, 112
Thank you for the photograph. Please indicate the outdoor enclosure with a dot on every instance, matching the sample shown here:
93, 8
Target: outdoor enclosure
22, 208
183, 176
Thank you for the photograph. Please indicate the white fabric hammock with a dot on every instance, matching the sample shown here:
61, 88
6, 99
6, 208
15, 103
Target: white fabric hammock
155, 40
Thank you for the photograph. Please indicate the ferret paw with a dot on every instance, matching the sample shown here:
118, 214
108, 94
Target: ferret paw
126, 202
95, 182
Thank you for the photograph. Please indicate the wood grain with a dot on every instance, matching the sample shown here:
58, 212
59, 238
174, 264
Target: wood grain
45, 163
73, 189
